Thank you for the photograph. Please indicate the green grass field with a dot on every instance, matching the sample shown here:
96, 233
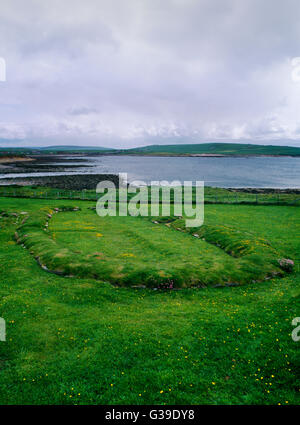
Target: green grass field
213, 195
82, 340
131, 251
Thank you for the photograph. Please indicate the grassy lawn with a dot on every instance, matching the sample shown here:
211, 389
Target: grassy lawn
213, 195
81, 340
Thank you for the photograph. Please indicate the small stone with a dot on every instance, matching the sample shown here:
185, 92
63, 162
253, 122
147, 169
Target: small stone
286, 264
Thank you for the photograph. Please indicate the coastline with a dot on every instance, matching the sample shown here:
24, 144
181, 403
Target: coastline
59, 170
201, 155
90, 181
13, 159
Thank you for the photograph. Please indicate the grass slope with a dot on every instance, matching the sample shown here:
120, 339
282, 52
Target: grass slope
215, 149
81, 341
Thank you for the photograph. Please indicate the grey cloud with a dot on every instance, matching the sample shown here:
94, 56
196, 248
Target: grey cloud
136, 71
82, 110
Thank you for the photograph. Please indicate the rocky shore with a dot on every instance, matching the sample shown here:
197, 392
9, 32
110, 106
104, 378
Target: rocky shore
66, 182
39, 163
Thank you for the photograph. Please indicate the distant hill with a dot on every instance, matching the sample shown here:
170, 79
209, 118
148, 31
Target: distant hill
228, 149
203, 149
55, 149
74, 148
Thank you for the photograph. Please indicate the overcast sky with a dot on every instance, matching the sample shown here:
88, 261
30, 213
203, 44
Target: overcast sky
132, 72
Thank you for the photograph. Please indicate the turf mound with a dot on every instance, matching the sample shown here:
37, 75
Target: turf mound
134, 251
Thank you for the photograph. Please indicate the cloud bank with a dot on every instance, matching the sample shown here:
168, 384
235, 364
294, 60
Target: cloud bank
122, 73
